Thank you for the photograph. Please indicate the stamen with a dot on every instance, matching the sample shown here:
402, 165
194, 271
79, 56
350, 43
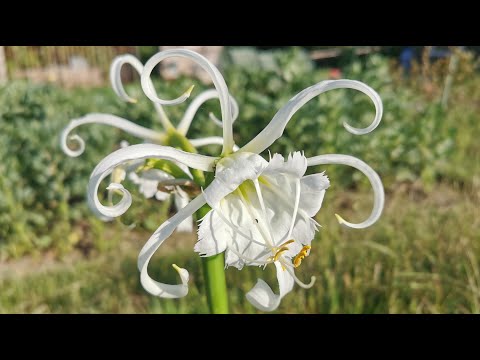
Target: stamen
281, 198
301, 255
282, 249
258, 225
236, 228
250, 260
297, 280
295, 209
264, 211
279, 252
287, 242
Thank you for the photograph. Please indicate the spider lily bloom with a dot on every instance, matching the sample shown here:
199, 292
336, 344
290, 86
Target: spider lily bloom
171, 136
150, 180
261, 210
165, 137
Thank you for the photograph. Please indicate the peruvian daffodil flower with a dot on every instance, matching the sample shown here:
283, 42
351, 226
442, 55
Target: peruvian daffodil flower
151, 179
261, 211
165, 137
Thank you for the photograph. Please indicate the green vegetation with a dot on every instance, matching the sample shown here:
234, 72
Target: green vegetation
423, 256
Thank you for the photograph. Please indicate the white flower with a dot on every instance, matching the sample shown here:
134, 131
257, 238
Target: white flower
261, 211
147, 185
137, 130
148, 182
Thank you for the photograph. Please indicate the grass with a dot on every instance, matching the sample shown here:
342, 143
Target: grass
422, 257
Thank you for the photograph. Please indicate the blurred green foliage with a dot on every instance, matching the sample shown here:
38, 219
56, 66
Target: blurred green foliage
416, 138
43, 191
423, 256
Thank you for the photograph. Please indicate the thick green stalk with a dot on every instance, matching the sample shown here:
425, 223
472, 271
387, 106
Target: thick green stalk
177, 140
214, 271
213, 266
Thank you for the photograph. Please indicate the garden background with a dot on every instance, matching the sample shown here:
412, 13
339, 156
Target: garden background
422, 256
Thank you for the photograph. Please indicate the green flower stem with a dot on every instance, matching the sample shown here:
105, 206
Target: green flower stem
214, 271
177, 140
213, 266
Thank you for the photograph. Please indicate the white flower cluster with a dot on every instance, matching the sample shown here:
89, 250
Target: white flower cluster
261, 211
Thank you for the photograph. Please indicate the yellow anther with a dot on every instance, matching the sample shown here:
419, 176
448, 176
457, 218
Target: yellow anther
279, 252
301, 255
287, 242
281, 249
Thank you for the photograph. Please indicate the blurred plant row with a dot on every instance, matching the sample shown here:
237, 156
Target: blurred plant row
42, 191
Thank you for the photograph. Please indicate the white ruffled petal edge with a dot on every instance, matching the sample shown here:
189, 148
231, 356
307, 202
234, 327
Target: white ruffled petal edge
231, 172
277, 125
159, 236
136, 152
375, 181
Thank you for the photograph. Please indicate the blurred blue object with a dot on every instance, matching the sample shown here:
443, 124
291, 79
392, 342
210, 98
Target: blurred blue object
409, 53
438, 53
406, 57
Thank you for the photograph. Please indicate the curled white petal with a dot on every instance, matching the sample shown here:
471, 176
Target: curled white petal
192, 109
181, 199
263, 298
217, 79
277, 125
117, 85
116, 71
137, 152
148, 181
159, 236
375, 181
211, 140
105, 119
235, 112
75, 138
